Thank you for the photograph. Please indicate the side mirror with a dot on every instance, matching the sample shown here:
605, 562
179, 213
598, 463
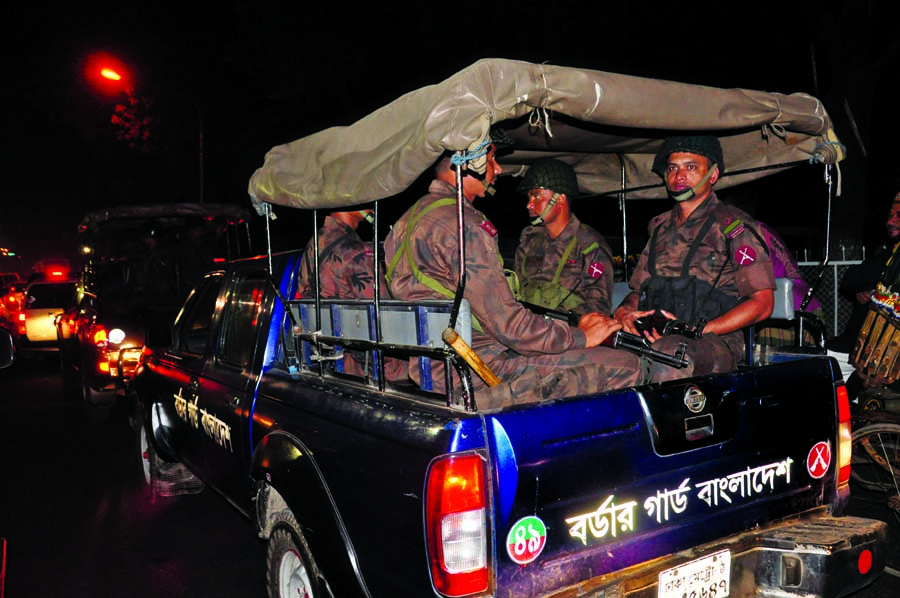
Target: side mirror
159, 335
7, 348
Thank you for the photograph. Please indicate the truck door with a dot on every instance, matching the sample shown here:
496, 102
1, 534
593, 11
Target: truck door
226, 387
181, 368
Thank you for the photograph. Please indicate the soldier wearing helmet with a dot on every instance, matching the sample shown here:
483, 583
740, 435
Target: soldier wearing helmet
705, 264
561, 263
535, 358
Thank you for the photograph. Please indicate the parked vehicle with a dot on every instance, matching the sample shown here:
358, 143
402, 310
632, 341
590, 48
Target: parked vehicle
142, 262
729, 484
12, 299
43, 303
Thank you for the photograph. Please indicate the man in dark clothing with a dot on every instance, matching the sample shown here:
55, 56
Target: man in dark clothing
704, 264
859, 281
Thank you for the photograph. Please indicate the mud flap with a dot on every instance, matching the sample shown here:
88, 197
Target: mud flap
174, 479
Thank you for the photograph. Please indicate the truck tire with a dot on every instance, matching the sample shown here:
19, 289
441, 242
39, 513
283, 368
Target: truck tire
291, 569
163, 477
149, 459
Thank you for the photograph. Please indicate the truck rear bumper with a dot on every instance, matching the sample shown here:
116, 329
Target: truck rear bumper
817, 556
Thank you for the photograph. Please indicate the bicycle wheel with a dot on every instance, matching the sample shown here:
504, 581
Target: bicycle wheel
875, 459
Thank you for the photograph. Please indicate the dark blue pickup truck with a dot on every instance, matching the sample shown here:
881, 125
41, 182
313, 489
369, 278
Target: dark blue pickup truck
724, 485
728, 484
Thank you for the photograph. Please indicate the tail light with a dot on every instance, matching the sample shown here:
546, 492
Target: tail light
455, 525
845, 436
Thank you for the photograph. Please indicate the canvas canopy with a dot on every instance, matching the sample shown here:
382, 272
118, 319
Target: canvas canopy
607, 126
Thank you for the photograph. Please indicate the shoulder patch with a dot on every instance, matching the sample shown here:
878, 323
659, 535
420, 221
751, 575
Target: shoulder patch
745, 255
734, 228
489, 228
595, 270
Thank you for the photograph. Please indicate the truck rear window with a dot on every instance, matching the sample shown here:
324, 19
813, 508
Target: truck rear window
51, 295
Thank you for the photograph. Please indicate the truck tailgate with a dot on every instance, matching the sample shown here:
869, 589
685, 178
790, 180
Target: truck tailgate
595, 485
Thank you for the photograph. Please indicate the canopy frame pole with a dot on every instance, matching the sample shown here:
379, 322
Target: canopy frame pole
379, 353
461, 284
316, 294
622, 196
818, 278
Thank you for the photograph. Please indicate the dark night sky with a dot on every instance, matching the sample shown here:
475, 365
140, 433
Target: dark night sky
267, 72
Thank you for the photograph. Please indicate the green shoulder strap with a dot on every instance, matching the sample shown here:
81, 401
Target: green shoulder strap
564, 259
405, 250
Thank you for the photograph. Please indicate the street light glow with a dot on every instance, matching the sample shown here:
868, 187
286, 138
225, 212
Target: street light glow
109, 73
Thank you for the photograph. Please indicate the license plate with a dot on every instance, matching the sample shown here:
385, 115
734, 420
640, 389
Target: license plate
707, 577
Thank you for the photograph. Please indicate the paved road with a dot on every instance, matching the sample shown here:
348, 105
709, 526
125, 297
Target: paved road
79, 521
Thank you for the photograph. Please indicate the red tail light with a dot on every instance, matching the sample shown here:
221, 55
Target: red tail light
456, 526
845, 436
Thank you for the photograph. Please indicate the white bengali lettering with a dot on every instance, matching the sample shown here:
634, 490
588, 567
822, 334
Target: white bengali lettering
608, 519
666, 500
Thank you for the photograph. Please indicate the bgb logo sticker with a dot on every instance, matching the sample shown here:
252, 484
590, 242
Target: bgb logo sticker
818, 460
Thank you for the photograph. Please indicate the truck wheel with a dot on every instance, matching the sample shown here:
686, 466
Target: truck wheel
149, 458
875, 457
290, 569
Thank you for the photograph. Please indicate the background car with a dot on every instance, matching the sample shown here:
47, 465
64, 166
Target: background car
36, 323
12, 299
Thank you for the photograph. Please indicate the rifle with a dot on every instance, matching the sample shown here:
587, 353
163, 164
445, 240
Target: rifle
619, 339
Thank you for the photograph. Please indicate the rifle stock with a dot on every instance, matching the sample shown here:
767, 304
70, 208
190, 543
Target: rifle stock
619, 339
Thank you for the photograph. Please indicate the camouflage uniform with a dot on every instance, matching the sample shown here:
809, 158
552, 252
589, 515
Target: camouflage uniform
536, 358
731, 256
346, 271
579, 260
346, 264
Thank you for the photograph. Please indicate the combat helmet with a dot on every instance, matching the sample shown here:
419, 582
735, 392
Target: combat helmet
551, 174
707, 146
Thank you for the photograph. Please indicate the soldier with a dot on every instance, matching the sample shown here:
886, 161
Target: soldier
346, 271
561, 263
535, 358
704, 264
346, 262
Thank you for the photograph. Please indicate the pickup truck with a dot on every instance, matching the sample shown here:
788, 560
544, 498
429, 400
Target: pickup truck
731, 484
735, 480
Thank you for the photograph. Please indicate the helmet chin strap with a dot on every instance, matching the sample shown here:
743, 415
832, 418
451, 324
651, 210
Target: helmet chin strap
692, 192
540, 218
